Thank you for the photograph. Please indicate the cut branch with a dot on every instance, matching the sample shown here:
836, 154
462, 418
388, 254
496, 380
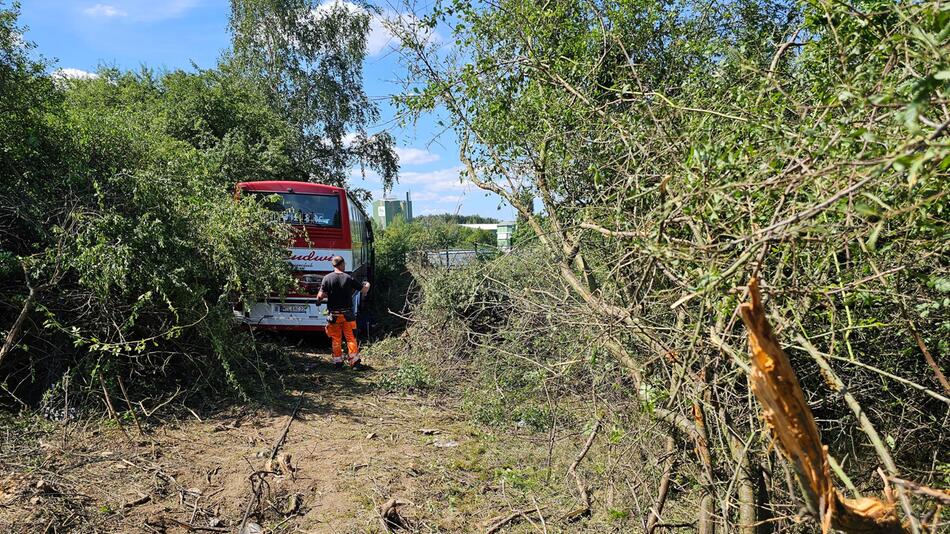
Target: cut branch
500, 522
657, 510
930, 359
942, 496
777, 389
584, 508
389, 516
112, 412
14, 332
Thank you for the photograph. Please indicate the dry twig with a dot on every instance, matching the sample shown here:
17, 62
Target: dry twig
389, 516
498, 523
112, 412
582, 490
940, 495
657, 509
930, 359
256, 489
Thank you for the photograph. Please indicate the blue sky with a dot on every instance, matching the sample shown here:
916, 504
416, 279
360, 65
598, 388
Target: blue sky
170, 34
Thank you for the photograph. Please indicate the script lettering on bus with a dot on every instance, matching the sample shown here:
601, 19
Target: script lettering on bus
312, 256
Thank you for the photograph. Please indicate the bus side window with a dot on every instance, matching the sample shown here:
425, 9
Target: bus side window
355, 236
356, 233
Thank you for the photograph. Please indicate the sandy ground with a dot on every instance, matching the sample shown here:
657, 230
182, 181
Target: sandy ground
350, 448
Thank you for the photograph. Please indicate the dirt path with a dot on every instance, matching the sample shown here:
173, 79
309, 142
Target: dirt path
350, 448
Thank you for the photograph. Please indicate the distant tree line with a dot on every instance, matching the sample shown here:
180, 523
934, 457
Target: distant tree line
458, 219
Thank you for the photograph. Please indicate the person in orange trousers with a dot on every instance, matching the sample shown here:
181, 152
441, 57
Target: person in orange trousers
338, 288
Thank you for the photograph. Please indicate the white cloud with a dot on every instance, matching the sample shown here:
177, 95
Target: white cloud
168, 9
73, 74
385, 30
141, 10
437, 180
445, 190
439, 187
415, 156
439, 211
381, 36
16, 38
430, 197
407, 155
437, 191
104, 10
348, 139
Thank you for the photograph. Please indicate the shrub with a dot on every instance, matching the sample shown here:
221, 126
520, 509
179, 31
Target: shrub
122, 246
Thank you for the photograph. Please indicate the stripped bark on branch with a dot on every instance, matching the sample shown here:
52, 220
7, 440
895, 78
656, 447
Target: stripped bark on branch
777, 389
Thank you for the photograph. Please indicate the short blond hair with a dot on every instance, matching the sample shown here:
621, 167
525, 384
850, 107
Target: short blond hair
336, 261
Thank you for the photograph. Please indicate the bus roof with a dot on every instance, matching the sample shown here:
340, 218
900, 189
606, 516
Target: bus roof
283, 186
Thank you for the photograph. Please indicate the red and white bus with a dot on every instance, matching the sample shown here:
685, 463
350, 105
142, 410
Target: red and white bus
327, 222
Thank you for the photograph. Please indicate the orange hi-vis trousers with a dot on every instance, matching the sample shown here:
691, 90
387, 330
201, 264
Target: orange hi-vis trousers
337, 331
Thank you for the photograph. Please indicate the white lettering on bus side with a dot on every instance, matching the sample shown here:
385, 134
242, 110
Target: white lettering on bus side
310, 257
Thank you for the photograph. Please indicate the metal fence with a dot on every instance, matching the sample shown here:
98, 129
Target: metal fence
454, 258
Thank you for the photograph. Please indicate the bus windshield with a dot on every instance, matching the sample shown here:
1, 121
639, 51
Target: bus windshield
296, 208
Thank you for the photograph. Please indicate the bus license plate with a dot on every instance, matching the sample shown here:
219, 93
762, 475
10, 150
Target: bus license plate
292, 308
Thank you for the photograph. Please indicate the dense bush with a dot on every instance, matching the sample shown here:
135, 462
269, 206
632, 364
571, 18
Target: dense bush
121, 243
396, 246
677, 149
125, 226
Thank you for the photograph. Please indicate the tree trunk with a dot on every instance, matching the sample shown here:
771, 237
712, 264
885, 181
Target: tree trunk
14, 332
707, 523
657, 510
748, 501
747, 486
